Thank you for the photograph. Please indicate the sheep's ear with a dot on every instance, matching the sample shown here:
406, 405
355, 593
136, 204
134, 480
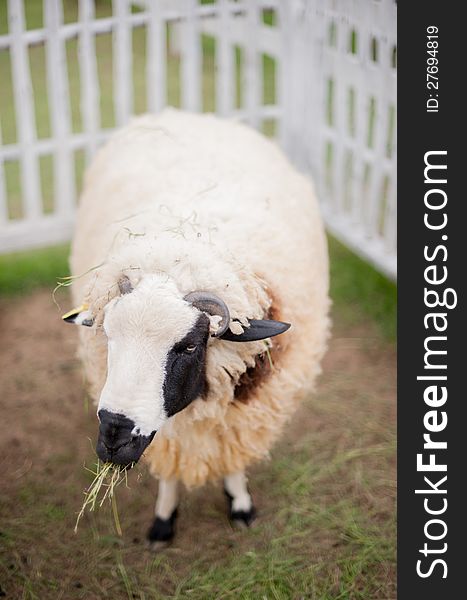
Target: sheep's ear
79, 316
258, 330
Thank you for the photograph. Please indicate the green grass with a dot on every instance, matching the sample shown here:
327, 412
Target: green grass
21, 272
280, 573
360, 292
326, 528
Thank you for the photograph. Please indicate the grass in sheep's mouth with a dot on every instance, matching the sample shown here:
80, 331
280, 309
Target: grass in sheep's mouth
107, 477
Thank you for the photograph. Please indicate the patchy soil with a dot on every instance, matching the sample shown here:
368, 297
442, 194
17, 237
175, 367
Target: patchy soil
326, 499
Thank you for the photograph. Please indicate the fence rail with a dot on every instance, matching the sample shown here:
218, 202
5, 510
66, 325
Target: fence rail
319, 75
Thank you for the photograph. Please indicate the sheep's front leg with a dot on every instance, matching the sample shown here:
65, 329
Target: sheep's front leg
241, 510
163, 528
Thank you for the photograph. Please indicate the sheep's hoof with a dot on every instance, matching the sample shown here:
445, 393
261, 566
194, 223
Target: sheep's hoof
162, 532
240, 519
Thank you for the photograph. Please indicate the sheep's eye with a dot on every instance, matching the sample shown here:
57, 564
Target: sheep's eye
190, 349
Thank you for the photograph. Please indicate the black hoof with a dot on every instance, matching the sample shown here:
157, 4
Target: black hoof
162, 532
240, 518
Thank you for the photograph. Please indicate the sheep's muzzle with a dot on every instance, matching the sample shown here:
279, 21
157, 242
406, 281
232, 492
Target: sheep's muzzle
117, 441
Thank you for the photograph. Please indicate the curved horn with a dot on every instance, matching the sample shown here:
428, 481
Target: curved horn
213, 305
124, 285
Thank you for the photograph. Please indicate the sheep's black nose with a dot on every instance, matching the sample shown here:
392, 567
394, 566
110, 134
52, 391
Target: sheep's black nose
114, 430
116, 443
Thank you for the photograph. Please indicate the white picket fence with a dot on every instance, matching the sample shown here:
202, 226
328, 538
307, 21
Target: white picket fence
320, 75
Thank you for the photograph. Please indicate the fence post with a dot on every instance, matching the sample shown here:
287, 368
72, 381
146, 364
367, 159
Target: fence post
190, 56
3, 191
122, 63
253, 77
59, 108
90, 93
25, 117
156, 69
297, 81
225, 75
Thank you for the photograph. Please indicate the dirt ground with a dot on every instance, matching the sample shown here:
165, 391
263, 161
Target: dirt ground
326, 499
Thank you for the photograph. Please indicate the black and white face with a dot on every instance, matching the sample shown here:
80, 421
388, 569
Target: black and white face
156, 366
156, 359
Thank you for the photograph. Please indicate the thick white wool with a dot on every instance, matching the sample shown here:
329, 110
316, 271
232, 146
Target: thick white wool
211, 205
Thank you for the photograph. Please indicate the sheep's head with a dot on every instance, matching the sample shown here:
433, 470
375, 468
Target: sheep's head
157, 346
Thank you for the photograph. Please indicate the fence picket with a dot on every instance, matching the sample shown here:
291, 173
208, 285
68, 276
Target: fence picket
190, 57
25, 117
225, 76
3, 192
122, 63
253, 70
90, 93
59, 108
156, 71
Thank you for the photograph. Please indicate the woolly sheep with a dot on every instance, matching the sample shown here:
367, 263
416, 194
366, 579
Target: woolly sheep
181, 203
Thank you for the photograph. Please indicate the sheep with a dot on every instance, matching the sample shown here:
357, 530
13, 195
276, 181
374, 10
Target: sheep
194, 238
